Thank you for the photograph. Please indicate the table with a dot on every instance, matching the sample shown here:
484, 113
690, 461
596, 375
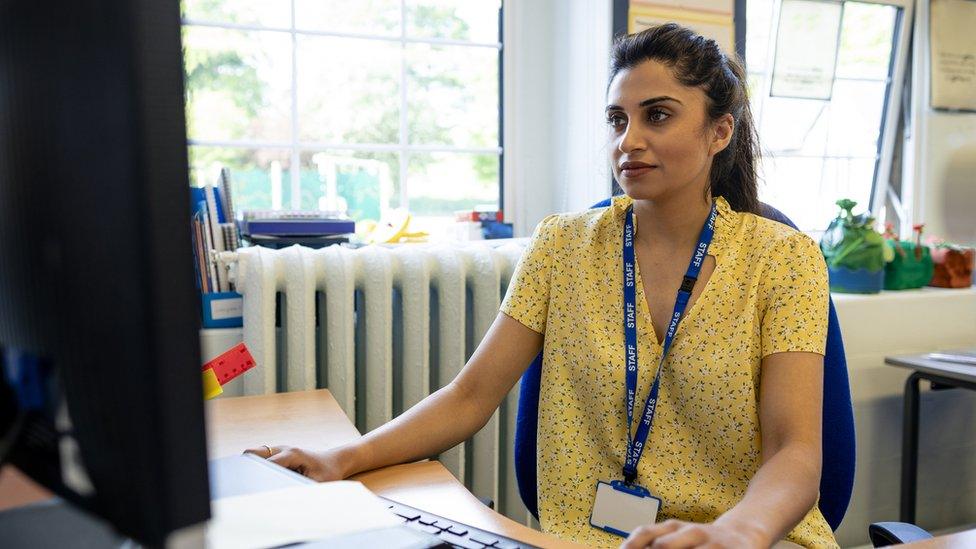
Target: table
941, 375
313, 419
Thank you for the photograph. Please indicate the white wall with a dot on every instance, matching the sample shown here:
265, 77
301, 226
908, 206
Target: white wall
939, 143
913, 321
556, 57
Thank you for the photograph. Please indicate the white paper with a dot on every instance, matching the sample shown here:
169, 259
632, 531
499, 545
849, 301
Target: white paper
806, 49
953, 51
299, 513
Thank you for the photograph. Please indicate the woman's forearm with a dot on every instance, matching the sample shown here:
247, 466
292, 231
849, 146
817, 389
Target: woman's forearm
780, 494
441, 421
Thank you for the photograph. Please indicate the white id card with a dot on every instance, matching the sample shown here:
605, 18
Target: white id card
619, 508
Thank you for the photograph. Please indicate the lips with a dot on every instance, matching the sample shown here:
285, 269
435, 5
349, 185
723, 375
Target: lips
632, 169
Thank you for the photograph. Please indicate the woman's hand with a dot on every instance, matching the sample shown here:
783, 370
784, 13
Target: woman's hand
321, 465
674, 534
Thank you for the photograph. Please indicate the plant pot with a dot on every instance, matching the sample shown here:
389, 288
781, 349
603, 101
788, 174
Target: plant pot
906, 272
953, 267
859, 281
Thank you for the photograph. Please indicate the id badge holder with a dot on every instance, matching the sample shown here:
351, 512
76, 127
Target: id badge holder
620, 508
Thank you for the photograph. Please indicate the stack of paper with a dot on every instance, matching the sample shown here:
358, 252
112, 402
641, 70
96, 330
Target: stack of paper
300, 513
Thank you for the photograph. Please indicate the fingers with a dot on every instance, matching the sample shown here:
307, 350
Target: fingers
645, 535
264, 451
688, 535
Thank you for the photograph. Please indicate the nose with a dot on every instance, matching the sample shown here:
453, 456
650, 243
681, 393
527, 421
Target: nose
632, 139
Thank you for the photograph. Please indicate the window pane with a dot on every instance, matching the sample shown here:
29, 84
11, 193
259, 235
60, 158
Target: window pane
855, 118
759, 16
454, 19
244, 12
260, 178
377, 17
238, 84
453, 95
364, 185
866, 39
806, 189
441, 183
794, 126
348, 90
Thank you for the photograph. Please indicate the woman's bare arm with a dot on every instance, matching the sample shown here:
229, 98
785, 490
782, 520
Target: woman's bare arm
442, 420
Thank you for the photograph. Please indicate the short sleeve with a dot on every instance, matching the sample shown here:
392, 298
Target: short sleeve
527, 299
796, 297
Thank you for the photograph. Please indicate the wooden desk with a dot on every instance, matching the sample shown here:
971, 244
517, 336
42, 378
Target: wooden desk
313, 419
942, 375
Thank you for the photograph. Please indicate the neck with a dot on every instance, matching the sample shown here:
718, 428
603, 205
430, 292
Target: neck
671, 224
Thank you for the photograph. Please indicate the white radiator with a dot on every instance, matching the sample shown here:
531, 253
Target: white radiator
382, 327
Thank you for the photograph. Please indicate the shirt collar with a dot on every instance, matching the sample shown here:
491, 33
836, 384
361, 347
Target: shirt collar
724, 221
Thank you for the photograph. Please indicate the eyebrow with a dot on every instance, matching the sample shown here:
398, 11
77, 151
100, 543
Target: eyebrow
647, 102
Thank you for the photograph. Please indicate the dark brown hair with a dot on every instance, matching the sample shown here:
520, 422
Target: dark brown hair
698, 61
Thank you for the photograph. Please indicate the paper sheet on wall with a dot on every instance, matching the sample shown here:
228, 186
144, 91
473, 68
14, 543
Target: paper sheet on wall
715, 25
806, 49
299, 513
953, 54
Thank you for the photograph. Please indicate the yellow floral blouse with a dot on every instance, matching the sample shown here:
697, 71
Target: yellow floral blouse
768, 294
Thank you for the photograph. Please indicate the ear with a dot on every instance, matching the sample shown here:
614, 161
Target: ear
722, 130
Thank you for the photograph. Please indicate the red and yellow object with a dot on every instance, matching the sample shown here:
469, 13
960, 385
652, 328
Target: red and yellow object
230, 364
211, 387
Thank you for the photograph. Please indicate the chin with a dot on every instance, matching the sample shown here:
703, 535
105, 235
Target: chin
644, 190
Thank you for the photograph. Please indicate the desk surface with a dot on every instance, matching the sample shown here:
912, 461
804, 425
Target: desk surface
921, 363
313, 419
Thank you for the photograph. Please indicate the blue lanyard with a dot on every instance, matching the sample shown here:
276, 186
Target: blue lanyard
635, 445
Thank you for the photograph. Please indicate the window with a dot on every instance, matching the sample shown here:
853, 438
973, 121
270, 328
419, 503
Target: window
356, 105
818, 151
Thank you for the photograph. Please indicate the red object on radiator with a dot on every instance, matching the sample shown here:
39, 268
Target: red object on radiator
231, 364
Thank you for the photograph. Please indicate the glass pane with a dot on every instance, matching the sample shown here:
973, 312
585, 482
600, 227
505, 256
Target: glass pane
866, 39
238, 84
376, 17
794, 126
454, 19
348, 90
759, 15
441, 183
363, 185
806, 189
260, 178
855, 118
453, 95
269, 13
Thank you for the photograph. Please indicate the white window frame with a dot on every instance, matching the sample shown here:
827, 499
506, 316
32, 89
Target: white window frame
296, 146
880, 189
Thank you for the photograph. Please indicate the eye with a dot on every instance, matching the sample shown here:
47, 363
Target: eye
657, 115
616, 120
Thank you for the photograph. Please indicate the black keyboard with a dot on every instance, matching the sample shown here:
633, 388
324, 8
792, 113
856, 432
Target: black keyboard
454, 533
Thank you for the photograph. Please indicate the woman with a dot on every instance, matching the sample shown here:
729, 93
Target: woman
748, 351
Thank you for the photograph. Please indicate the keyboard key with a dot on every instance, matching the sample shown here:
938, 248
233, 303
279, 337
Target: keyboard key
429, 529
460, 541
427, 519
457, 530
503, 544
407, 515
482, 538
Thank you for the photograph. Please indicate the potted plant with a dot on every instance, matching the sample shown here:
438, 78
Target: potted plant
910, 264
953, 265
854, 252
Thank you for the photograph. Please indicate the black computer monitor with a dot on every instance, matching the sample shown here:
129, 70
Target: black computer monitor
98, 310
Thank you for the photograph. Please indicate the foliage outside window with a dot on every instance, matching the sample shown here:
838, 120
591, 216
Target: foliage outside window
362, 105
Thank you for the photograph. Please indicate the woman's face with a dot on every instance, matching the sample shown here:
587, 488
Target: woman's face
661, 140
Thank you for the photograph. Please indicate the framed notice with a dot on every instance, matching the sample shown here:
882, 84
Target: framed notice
807, 41
952, 48
708, 19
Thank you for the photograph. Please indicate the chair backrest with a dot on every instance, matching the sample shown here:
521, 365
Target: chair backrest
837, 477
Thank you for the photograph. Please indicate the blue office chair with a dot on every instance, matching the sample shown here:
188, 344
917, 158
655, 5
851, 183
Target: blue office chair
837, 479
